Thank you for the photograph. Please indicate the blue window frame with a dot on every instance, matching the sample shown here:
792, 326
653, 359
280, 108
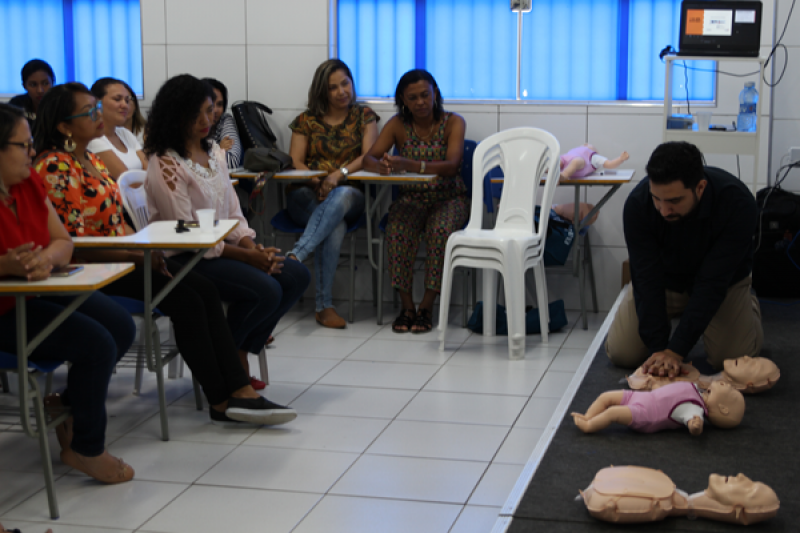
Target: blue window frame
75, 37
587, 50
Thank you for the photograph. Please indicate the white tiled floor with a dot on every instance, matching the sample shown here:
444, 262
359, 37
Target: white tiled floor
393, 436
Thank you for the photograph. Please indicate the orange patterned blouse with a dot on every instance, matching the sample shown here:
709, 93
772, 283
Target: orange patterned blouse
87, 206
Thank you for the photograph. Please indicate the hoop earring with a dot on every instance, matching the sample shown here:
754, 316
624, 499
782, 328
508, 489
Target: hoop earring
69, 144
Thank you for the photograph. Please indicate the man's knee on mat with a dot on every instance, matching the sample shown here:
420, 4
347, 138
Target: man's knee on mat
625, 356
732, 349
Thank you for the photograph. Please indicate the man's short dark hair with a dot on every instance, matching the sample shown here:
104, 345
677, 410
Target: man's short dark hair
677, 160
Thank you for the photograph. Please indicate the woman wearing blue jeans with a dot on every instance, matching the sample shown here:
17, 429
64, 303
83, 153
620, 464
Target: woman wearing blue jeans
333, 135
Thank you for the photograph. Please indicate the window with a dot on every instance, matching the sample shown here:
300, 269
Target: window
83, 40
595, 50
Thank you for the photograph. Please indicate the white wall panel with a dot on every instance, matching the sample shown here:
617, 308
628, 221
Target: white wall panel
223, 62
205, 22
287, 22
154, 59
154, 28
280, 76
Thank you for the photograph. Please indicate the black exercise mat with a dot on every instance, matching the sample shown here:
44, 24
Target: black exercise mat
764, 447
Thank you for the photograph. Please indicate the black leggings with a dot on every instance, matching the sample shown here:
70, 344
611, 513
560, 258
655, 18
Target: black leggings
92, 338
201, 330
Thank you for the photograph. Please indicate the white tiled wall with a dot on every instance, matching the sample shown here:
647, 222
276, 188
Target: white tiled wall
267, 50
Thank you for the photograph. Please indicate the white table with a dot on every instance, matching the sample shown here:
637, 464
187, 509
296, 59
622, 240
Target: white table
82, 284
286, 176
161, 236
384, 183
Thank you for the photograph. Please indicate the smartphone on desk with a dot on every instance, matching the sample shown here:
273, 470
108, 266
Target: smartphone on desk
66, 271
195, 224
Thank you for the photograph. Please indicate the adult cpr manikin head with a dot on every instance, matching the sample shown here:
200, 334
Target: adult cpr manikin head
735, 499
751, 374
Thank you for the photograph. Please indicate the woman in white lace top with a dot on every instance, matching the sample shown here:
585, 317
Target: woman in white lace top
187, 172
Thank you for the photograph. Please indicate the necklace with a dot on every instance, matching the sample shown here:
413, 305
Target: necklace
427, 135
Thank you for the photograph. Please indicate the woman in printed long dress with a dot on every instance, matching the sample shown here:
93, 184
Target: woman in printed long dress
430, 141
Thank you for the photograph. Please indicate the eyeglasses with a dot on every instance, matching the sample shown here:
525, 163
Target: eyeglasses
94, 113
28, 146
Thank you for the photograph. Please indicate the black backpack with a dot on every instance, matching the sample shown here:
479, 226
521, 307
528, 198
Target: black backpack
776, 263
258, 141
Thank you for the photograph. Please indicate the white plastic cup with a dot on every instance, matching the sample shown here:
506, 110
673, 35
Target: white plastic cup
206, 219
703, 119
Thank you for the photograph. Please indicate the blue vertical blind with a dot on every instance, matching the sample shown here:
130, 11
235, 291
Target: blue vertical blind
83, 40
30, 29
601, 50
652, 25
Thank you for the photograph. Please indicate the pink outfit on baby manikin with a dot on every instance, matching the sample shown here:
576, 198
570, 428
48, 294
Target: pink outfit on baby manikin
651, 410
583, 152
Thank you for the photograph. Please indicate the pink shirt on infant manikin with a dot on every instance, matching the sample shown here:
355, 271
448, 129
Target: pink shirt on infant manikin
652, 410
587, 153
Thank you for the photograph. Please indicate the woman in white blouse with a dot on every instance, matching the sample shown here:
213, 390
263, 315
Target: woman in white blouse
188, 172
118, 148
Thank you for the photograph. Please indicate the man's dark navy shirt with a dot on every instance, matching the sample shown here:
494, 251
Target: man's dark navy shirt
704, 254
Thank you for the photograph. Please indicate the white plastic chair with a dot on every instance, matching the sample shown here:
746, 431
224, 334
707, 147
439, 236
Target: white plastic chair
134, 199
525, 155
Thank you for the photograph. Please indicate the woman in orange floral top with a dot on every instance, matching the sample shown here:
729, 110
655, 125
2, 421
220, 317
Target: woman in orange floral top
333, 135
88, 202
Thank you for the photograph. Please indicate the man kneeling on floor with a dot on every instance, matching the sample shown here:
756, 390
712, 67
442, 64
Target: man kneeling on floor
689, 231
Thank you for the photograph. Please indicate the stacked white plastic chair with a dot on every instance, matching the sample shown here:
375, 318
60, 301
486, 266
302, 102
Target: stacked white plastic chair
526, 156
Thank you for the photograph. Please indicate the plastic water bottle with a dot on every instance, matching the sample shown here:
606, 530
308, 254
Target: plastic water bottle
748, 99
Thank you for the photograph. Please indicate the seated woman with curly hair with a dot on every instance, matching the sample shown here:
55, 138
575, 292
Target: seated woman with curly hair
187, 172
88, 202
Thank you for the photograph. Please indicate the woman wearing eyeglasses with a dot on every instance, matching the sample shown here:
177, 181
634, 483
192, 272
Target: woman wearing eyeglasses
88, 202
32, 243
118, 148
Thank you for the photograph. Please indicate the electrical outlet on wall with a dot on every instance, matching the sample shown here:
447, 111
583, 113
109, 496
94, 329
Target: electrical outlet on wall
794, 154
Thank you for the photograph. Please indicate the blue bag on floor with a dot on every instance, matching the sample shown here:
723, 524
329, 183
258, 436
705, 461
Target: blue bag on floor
560, 236
558, 319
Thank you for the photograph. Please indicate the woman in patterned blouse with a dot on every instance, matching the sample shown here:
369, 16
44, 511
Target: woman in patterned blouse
430, 141
333, 135
89, 204
187, 172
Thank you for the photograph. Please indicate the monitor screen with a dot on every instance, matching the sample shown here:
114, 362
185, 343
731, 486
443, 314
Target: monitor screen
709, 22
721, 27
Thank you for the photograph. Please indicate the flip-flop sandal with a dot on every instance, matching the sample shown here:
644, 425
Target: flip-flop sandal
405, 320
424, 321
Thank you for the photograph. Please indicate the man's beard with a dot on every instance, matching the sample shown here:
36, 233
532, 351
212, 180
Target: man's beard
676, 219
